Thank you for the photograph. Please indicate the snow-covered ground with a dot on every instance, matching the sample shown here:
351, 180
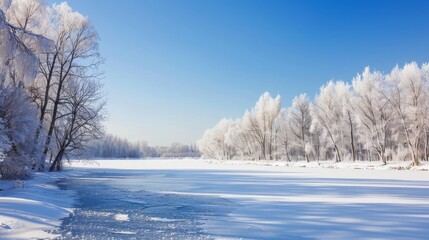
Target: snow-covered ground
229, 200
33, 208
369, 165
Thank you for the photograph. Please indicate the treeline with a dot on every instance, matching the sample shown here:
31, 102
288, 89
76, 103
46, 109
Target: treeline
177, 150
116, 147
51, 104
375, 117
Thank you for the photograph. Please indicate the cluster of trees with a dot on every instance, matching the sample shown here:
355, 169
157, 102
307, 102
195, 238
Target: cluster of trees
177, 150
111, 146
51, 102
376, 116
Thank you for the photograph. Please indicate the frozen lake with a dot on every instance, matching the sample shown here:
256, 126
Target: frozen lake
193, 199
118, 206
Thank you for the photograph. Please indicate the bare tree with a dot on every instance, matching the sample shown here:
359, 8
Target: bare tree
79, 119
74, 56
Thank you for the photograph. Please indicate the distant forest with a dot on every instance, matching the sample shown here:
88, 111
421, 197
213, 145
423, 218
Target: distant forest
112, 146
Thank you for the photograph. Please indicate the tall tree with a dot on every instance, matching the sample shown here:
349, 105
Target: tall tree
373, 111
74, 57
81, 116
69, 54
327, 113
409, 95
300, 123
260, 123
284, 134
17, 113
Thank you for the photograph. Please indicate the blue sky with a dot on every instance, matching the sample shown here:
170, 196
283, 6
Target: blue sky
175, 68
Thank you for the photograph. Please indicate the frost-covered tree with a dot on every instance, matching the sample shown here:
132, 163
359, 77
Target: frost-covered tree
253, 136
44, 49
300, 123
18, 63
110, 146
319, 143
175, 150
19, 123
18, 66
148, 151
213, 144
408, 94
377, 115
344, 93
373, 111
327, 113
259, 122
240, 138
71, 54
5, 143
284, 142
74, 56
26, 14
332, 114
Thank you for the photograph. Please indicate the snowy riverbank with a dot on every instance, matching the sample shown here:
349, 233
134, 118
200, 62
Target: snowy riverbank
367, 165
221, 199
32, 209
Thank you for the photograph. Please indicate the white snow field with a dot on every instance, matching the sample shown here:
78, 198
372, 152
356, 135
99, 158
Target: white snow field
260, 202
32, 209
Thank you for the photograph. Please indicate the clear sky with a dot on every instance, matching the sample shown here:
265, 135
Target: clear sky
175, 68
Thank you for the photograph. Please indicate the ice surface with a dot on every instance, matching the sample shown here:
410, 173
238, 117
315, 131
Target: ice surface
198, 199
109, 210
234, 200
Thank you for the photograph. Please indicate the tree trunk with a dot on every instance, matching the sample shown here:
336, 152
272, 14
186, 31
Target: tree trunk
56, 165
382, 157
426, 146
416, 161
352, 143
337, 153
54, 116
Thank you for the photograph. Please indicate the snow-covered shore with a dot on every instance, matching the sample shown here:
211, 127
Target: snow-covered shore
32, 209
363, 165
368, 165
